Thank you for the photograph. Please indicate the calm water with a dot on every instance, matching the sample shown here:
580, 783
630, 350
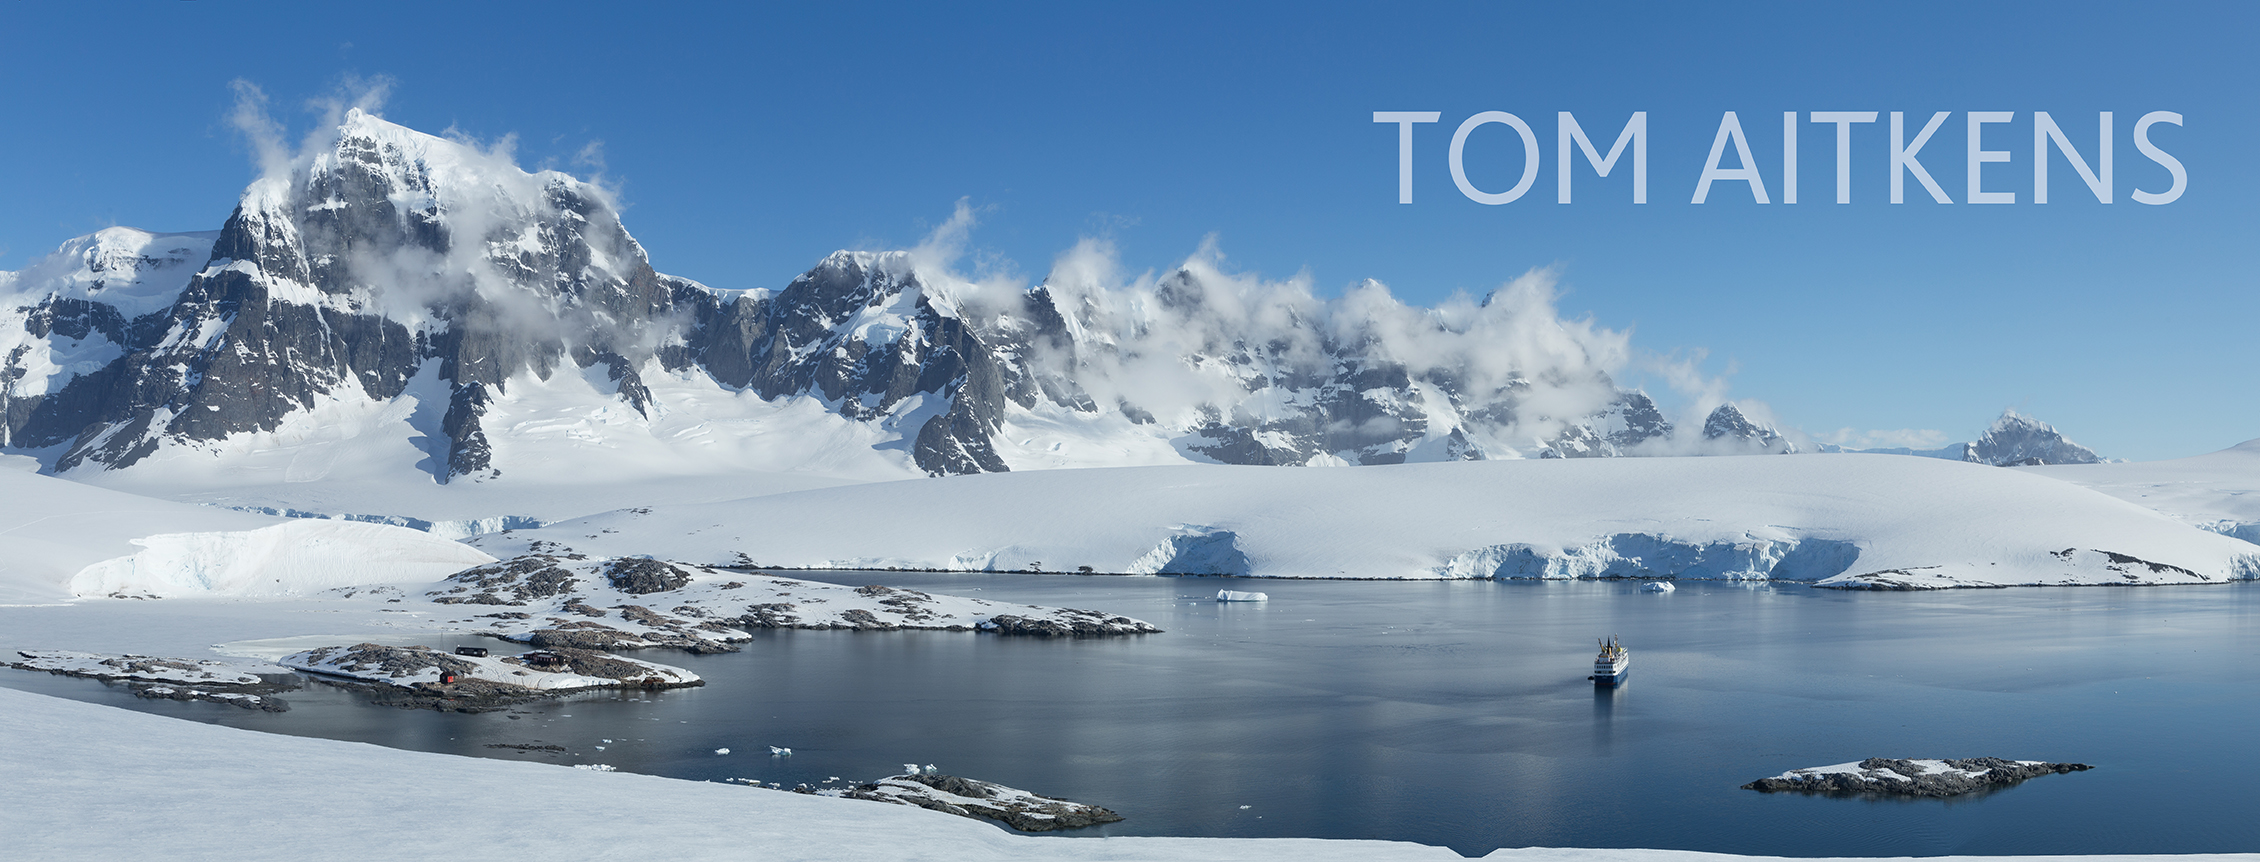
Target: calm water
1458, 713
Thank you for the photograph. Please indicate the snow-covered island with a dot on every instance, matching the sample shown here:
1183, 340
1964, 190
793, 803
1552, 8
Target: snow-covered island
1886, 776
572, 600
965, 797
235, 682
424, 677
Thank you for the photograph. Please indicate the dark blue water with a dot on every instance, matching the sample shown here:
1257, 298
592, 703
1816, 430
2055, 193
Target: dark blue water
1458, 713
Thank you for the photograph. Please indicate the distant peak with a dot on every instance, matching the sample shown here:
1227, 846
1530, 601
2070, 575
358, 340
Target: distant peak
2018, 440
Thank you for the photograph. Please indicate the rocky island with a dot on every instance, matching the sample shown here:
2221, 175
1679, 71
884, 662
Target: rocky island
555, 598
1886, 776
425, 678
965, 797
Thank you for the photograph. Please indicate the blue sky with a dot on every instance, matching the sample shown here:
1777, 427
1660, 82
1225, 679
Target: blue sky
750, 142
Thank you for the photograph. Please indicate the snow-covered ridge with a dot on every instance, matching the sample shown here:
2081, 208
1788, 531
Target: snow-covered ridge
1798, 518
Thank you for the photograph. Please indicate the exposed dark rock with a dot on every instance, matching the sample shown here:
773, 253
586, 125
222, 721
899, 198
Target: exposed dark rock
638, 576
510, 582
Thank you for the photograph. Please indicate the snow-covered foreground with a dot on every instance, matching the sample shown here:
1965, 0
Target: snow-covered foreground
92, 782
1840, 520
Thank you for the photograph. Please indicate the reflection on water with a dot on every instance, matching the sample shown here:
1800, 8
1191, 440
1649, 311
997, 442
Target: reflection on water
1459, 713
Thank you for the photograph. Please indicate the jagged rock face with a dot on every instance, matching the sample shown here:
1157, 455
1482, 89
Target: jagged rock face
2017, 440
1727, 425
394, 256
391, 251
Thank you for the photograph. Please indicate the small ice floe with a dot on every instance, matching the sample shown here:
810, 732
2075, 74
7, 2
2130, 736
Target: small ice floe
780, 751
1238, 596
910, 769
1657, 587
721, 751
1246, 807
930, 769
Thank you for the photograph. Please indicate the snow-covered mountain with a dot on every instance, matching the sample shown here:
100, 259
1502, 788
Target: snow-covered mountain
401, 303
2014, 440
2017, 440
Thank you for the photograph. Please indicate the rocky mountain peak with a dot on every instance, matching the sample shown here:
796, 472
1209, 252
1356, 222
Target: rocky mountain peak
1728, 425
393, 266
2017, 440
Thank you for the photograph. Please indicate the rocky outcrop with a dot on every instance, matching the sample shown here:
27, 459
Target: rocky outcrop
1889, 777
1067, 623
966, 797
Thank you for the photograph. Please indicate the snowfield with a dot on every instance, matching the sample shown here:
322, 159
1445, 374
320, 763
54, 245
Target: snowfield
284, 559
1858, 521
60, 539
2218, 491
93, 782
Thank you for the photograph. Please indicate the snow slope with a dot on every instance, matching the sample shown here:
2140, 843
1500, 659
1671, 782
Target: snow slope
290, 558
51, 528
2219, 491
93, 782
1918, 522
354, 457
60, 539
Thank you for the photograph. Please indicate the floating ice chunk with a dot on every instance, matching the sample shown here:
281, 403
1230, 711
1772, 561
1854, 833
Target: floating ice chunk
930, 769
1238, 596
721, 751
776, 751
910, 769
1657, 587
